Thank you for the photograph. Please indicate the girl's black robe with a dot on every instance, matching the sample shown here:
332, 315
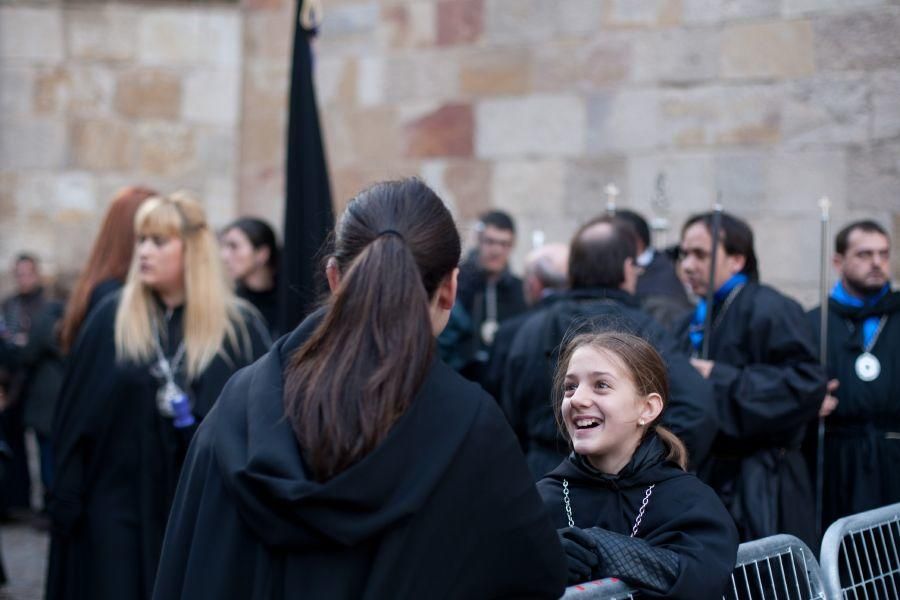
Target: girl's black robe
683, 515
443, 507
118, 460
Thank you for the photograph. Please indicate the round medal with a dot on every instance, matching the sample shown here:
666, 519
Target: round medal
488, 331
165, 396
867, 367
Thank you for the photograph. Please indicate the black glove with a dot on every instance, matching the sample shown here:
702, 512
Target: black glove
580, 556
633, 560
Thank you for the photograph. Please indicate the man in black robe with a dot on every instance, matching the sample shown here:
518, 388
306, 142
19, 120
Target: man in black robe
488, 295
602, 278
768, 383
862, 409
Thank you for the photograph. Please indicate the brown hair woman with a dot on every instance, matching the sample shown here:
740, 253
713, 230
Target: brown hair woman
350, 462
623, 503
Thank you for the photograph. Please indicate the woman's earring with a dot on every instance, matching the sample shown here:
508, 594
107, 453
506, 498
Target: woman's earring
641, 422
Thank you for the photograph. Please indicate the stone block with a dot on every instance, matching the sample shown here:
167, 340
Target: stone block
53, 192
32, 143
102, 144
82, 89
639, 14
689, 116
580, 65
9, 205
687, 180
797, 180
219, 196
585, 181
519, 21
528, 187
166, 149
873, 176
444, 132
459, 21
468, 184
788, 261
708, 12
749, 114
148, 93
623, 120
350, 19
16, 91
685, 55
767, 50
886, 105
410, 25
831, 109
864, 40
335, 80
495, 71
211, 97
429, 76
98, 32
579, 17
31, 34
190, 36
542, 126
261, 192
794, 8
741, 177
268, 37
370, 80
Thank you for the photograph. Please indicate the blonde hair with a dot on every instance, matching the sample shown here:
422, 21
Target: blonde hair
647, 371
211, 310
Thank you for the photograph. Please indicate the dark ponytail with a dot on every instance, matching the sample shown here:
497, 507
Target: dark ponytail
360, 369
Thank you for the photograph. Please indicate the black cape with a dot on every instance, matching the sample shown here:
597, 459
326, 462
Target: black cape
768, 386
117, 461
661, 292
682, 515
862, 435
443, 507
528, 375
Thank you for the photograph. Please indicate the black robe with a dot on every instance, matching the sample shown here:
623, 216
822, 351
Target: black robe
768, 386
266, 302
682, 515
528, 375
117, 460
443, 507
862, 435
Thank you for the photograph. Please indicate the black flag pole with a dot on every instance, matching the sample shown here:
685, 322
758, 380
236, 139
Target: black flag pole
824, 205
711, 289
308, 214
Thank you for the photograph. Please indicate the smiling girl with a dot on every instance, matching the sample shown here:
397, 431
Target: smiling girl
623, 503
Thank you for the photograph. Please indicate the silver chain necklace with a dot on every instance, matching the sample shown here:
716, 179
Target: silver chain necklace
637, 519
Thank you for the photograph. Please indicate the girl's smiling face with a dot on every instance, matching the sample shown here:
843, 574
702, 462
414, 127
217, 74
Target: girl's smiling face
602, 411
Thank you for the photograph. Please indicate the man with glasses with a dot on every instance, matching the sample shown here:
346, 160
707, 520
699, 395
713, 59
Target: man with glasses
488, 294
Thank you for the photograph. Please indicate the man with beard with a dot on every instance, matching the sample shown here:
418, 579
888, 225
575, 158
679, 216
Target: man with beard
602, 282
862, 408
767, 380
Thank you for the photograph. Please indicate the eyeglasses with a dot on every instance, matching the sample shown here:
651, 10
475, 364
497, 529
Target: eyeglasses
489, 241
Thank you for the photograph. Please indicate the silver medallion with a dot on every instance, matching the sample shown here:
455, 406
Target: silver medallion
867, 367
166, 395
488, 331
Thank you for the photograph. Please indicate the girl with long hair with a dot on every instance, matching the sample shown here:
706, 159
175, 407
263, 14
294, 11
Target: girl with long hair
250, 254
350, 462
146, 368
623, 502
107, 263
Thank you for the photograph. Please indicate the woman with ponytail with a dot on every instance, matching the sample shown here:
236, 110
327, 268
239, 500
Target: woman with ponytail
350, 462
623, 502
147, 365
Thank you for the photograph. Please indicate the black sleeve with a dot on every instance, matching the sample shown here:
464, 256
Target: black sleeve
784, 386
634, 561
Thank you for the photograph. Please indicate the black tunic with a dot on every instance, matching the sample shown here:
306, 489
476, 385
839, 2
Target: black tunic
443, 507
682, 515
528, 376
768, 386
117, 461
862, 443
266, 302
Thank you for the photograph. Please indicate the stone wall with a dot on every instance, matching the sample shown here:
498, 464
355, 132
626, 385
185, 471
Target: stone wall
95, 96
527, 105
534, 106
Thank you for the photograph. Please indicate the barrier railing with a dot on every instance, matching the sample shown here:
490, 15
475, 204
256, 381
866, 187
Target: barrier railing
776, 567
601, 589
861, 555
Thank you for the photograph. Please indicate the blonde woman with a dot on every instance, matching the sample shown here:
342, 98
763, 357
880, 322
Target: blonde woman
147, 366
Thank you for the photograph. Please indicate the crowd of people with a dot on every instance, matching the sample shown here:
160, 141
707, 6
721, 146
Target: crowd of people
438, 426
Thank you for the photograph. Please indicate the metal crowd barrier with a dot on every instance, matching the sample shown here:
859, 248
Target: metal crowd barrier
861, 555
779, 567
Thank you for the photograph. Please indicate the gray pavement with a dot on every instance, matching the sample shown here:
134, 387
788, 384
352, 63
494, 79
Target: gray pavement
25, 557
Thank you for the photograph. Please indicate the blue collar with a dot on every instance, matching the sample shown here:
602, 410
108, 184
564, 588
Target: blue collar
696, 328
842, 296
